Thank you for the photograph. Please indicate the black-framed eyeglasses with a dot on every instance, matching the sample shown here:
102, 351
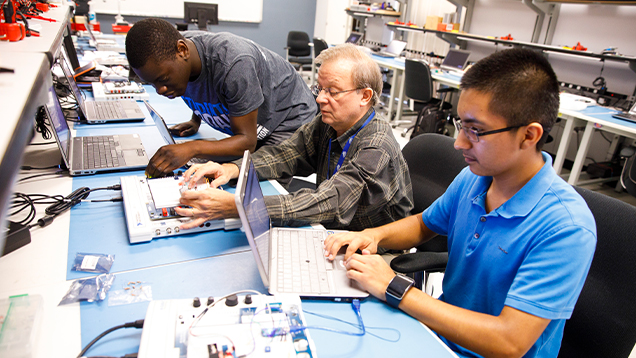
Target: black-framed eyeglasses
316, 89
473, 134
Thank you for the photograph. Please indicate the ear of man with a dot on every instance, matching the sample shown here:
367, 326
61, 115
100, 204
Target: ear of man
182, 49
531, 135
367, 96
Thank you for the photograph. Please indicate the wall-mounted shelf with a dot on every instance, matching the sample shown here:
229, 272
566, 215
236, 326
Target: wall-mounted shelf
356, 13
458, 39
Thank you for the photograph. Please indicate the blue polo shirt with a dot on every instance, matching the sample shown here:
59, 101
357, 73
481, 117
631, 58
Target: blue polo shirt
532, 253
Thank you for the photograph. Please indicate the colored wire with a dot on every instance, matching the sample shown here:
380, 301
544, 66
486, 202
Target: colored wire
366, 329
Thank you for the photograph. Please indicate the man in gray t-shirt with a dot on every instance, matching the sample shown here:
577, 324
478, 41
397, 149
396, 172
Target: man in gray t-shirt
233, 84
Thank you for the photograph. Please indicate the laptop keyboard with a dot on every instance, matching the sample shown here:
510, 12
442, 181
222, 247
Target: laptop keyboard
301, 262
108, 110
627, 116
99, 152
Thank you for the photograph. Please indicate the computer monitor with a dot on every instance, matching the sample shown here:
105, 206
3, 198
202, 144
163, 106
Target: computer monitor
455, 60
201, 14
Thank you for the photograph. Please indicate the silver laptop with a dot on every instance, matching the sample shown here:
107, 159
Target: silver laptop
93, 154
167, 135
103, 44
627, 116
455, 60
289, 260
394, 49
101, 111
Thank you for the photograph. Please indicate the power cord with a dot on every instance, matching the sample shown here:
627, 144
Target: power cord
58, 204
41, 125
136, 324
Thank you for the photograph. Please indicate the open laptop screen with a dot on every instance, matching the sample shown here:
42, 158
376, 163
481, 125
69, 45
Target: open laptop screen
455, 60
257, 216
58, 122
161, 124
395, 47
354, 38
64, 64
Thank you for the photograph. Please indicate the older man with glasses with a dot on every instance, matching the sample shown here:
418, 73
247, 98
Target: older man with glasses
362, 179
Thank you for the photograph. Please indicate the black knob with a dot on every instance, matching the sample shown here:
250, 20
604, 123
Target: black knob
231, 301
248, 299
210, 300
196, 302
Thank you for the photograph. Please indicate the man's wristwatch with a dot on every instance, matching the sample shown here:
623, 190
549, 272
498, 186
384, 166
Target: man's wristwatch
397, 289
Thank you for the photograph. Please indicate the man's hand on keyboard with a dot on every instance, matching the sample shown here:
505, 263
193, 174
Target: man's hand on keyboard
355, 240
371, 272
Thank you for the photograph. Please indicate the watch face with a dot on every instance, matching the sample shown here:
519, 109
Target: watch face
397, 288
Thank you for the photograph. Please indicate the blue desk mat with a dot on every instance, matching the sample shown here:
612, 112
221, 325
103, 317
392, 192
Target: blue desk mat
101, 228
221, 275
604, 113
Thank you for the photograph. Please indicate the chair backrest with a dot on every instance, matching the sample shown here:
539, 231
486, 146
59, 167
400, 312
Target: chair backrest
418, 83
298, 43
603, 323
319, 46
628, 176
433, 164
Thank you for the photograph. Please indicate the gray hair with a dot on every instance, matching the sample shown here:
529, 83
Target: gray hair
365, 73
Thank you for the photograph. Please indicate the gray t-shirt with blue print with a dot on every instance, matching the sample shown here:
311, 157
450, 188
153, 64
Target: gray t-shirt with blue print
237, 77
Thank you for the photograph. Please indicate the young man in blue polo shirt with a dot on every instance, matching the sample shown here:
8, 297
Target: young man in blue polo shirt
520, 239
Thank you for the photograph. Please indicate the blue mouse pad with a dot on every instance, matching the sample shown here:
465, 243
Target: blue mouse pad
100, 228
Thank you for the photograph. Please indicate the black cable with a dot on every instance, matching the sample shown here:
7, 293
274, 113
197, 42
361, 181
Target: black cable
27, 167
41, 124
45, 143
40, 175
136, 324
74, 198
58, 204
604, 137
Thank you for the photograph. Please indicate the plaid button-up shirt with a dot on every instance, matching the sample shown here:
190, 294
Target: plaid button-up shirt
372, 188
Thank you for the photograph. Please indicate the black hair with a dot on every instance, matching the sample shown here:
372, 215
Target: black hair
151, 39
523, 86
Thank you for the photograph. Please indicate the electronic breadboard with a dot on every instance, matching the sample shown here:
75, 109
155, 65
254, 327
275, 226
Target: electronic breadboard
238, 326
109, 92
149, 208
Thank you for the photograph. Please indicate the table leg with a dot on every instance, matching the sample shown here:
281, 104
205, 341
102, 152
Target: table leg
398, 110
581, 153
392, 93
563, 145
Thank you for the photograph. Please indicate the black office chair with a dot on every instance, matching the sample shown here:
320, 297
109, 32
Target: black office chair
433, 164
299, 50
319, 46
603, 323
418, 86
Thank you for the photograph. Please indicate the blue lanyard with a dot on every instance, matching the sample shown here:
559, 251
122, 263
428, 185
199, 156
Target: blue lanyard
346, 148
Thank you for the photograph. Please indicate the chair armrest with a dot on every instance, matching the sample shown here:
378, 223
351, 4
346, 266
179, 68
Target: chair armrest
420, 261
